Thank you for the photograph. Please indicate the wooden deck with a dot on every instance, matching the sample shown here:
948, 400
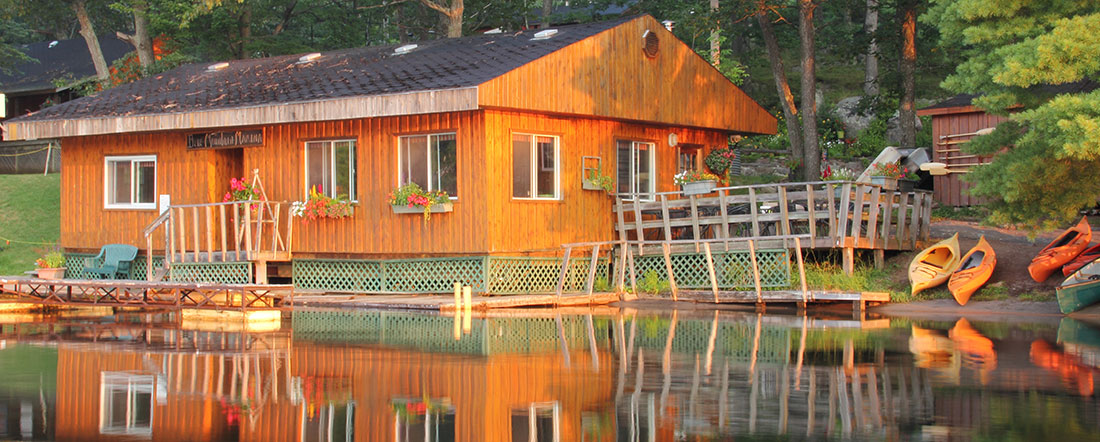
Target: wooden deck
832, 214
241, 297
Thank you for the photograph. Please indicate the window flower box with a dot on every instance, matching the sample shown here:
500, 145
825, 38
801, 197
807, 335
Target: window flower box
411, 198
698, 187
434, 208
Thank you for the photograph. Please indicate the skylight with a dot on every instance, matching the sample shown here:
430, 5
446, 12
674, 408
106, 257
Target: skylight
404, 49
309, 57
217, 67
545, 34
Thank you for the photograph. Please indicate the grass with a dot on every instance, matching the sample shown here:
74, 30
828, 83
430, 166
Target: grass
30, 220
967, 213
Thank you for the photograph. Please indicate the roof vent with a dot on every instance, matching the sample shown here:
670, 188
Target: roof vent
543, 35
52, 44
493, 31
309, 57
404, 49
217, 67
651, 44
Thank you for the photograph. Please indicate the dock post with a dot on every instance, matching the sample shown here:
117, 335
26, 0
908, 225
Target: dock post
668, 269
880, 258
849, 260
458, 297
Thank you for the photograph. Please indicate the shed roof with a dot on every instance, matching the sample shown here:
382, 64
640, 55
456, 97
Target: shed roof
64, 59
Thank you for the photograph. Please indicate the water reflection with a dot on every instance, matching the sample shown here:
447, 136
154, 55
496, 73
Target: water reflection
544, 376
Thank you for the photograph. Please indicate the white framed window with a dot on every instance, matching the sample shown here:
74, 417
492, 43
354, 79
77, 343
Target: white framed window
130, 182
536, 170
331, 422
126, 403
635, 167
330, 168
429, 160
538, 422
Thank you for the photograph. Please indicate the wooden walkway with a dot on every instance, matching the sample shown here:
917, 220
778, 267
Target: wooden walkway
830, 214
241, 297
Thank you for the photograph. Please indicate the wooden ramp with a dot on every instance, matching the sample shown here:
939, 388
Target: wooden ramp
242, 297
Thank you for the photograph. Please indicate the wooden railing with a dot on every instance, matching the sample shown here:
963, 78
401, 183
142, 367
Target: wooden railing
833, 214
222, 232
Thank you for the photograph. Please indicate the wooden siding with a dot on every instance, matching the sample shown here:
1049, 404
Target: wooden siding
186, 176
486, 219
951, 189
580, 215
608, 75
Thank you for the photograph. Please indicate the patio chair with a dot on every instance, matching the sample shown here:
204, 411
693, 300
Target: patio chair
117, 259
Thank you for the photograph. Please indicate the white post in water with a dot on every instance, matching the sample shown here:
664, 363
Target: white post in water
467, 293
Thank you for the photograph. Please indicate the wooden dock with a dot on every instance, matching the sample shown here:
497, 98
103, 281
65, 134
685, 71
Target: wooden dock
128, 293
829, 214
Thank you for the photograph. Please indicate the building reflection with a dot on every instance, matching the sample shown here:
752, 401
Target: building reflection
374, 376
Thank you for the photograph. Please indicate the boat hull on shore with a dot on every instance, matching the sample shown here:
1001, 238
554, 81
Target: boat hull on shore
1081, 289
976, 268
934, 265
1060, 251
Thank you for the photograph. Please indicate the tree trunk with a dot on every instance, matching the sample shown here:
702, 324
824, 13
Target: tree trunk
244, 27
547, 9
452, 15
870, 60
88, 32
811, 159
140, 40
779, 73
907, 114
715, 44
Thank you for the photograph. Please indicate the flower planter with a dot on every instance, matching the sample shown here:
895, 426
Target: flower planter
436, 208
52, 273
698, 187
906, 185
590, 185
887, 183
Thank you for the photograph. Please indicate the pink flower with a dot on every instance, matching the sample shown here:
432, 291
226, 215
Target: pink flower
228, 197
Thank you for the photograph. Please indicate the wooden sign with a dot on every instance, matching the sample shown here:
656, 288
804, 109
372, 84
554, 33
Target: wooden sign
224, 140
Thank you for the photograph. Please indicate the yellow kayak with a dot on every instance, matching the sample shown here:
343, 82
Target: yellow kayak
934, 265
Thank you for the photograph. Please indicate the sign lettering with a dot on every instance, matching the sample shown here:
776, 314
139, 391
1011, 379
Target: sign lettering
221, 140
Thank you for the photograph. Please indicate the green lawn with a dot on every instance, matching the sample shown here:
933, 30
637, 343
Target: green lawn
30, 219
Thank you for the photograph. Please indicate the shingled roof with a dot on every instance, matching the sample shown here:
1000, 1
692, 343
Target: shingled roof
368, 71
56, 60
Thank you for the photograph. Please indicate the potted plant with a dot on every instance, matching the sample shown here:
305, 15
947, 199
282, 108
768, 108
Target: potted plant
908, 181
597, 181
843, 174
410, 198
51, 265
693, 182
319, 205
887, 175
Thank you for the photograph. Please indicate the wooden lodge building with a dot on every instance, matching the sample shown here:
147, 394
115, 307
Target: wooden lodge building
506, 123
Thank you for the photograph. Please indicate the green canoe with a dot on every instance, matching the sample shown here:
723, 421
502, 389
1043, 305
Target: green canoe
1081, 289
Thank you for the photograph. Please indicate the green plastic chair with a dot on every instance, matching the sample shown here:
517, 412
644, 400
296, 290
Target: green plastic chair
117, 259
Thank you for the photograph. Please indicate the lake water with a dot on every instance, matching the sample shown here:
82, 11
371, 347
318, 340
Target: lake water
543, 375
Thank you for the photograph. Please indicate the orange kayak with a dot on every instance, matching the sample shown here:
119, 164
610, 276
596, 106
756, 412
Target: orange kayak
1060, 251
933, 266
1089, 255
976, 268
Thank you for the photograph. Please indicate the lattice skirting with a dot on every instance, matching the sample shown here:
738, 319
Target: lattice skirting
217, 272
74, 266
733, 269
436, 333
495, 275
